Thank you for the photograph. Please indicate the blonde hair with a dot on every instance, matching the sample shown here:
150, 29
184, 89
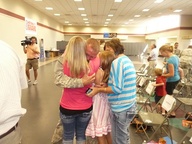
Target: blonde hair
166, 48
106, 58
158, 71
75, 56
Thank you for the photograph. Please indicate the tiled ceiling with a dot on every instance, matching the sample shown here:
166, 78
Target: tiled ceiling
98, 10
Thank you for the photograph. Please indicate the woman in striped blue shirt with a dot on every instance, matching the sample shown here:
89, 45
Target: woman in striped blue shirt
121, 92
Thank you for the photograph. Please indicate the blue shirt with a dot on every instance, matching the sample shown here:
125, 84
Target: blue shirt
174, 60
122, 80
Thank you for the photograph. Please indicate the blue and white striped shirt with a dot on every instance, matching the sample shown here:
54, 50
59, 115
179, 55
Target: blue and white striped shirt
122, 80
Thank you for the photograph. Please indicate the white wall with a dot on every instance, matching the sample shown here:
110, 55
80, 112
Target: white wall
163, 23
12, 29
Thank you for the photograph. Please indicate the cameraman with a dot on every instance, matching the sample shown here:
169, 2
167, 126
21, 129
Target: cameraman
32, 52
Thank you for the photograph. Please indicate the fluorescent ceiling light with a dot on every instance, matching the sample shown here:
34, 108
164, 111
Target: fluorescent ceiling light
105, 25
108, 19
83, 14
81, 8
77, 0
66, 21
106, 22
69, 24
158, 1
48, 8
177, 10
86, 22
131, 20
127, 23
85, 19
38, 0
118, 0
145, 10
137, 15
110, 15
57, 14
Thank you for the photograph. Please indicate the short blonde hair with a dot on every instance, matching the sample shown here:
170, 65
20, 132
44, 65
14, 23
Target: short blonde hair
94, 44
75, 56
158, 71
166, 48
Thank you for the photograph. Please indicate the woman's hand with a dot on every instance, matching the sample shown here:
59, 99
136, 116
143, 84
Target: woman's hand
101, 85
93, 92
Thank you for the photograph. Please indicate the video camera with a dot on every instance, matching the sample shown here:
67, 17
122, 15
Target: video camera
27, 41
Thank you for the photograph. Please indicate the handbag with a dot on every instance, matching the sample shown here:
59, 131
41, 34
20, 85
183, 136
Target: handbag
188, 116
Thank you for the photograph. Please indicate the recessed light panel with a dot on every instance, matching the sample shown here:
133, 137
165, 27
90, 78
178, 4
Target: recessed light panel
145, 10
177, 10
158, 1
81, 8
110, 15
48, 8
83, 14
118, 0
57, 14
137, 16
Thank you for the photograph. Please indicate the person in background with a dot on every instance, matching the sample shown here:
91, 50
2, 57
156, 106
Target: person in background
177, 51
121, 93
12, 80
181, 72
172, 70
100, 123
102, 44
32, 52
153, 56
160, 89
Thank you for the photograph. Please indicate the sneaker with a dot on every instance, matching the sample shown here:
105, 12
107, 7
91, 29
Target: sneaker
29, 81
182, 81
35, 82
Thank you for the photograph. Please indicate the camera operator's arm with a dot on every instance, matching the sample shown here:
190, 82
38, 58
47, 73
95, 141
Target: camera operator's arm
34, 48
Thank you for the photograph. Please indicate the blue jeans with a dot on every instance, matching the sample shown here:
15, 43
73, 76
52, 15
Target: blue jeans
75, 124
120, 125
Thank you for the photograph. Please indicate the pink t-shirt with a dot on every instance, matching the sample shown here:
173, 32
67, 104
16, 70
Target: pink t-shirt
76, 98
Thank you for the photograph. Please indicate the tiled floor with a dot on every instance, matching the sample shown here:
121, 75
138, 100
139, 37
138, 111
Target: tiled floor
42, 104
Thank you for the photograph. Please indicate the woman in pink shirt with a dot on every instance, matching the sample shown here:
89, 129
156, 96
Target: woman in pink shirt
75, 106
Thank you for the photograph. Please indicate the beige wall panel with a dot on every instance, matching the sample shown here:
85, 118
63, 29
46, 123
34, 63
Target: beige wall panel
13, 29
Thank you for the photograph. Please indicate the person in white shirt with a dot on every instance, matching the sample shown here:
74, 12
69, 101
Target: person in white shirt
153, 56
12, 80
